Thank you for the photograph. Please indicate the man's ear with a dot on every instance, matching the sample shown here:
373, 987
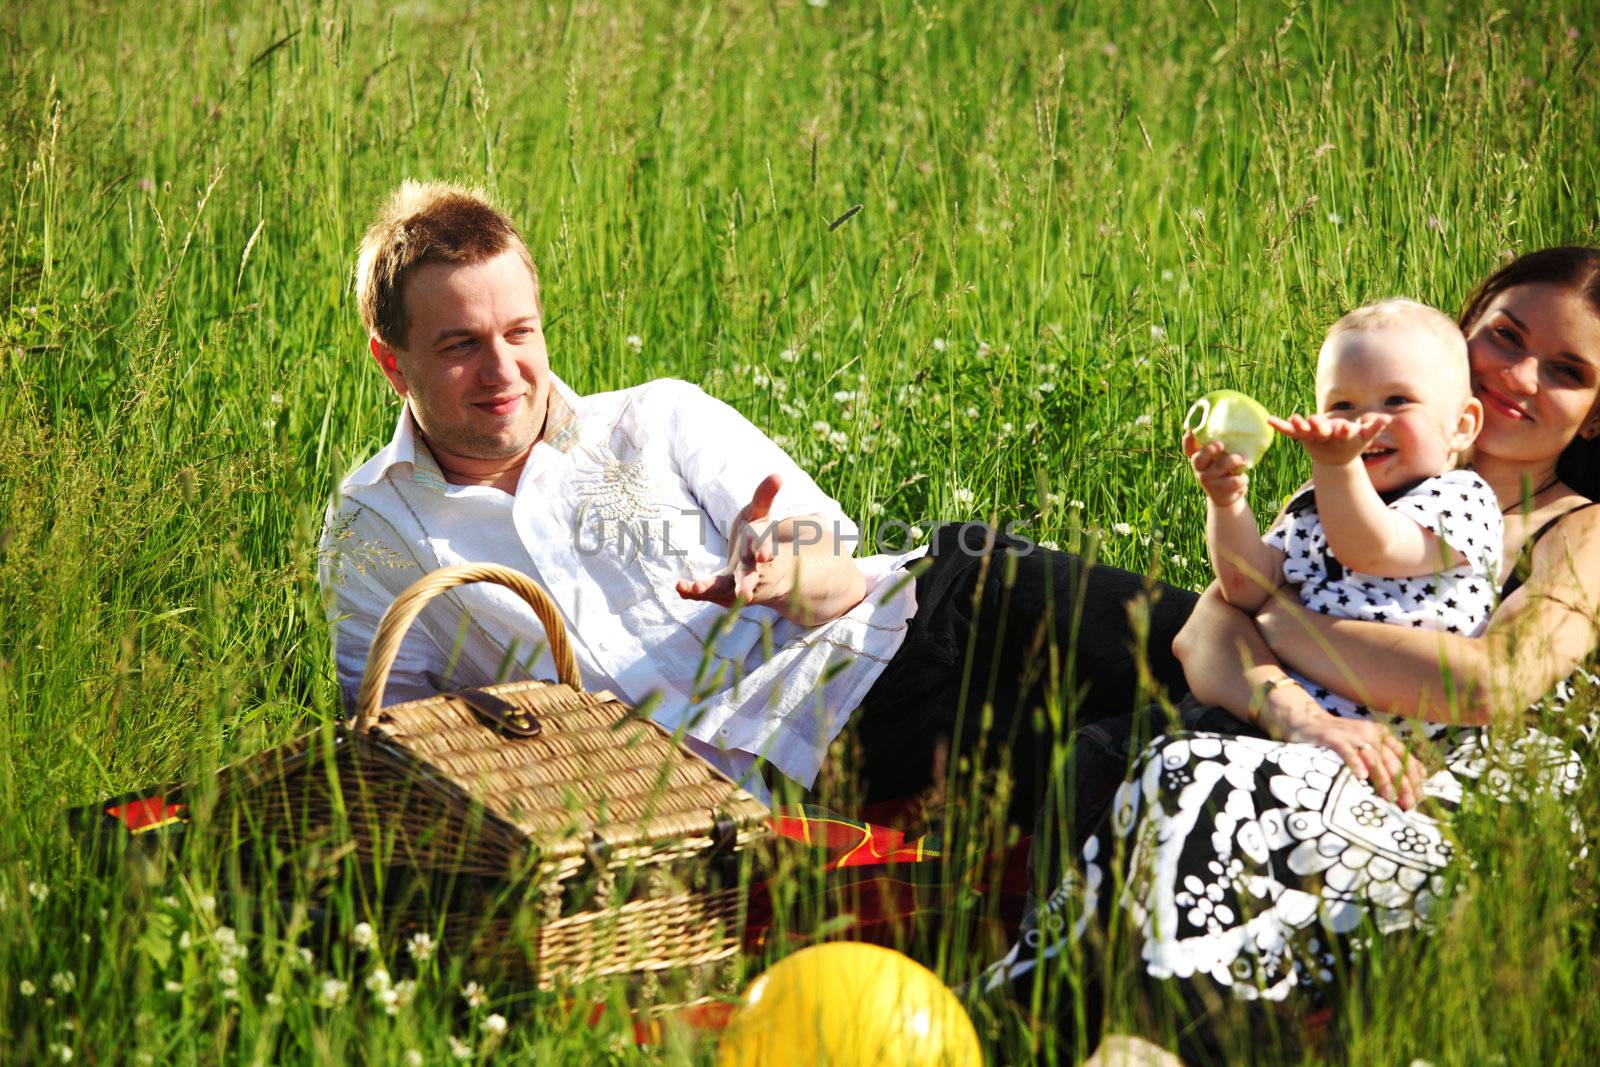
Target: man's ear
389, 363
1468, 425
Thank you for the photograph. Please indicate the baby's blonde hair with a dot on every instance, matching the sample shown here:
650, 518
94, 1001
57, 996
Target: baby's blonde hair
1399, 312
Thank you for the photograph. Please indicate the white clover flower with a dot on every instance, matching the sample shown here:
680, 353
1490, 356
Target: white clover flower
390, 999
983, 349
938, 344
459, 1048
962, 497
63, 981
1076, 505
1182, 561
1051, 545
184, 941
307, 957
789, 410
635, 342
333, 993
378, 980
412, 1058
844, 396
1157, 332
494, 1023
474, 995
360, 936
838, 439
274, 999
61, 1052
1143, 421
1167, 275
172, 985
170, 901
972, 412
817, 3
27, 988
208, 903
915, 533
1121, 528
38, 891
875, 508
1335, 218
228, 976
275, 399
821, 427
783, 441
1047, 387
1007, 429
788, 355
404, 993
420, 946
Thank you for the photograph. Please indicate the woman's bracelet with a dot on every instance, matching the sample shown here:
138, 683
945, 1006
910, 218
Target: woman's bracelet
1259, 700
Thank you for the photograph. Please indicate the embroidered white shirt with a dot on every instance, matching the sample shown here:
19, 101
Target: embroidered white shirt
1457, 506
626, 493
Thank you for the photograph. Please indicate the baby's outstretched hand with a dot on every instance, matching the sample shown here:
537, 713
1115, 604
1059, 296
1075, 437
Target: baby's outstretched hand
1221, 475
1330, 440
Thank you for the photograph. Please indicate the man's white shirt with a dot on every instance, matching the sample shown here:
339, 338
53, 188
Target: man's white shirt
626, 493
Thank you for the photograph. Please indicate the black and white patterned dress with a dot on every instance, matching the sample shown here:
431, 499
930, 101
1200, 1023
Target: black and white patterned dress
1462, 511
1239, 856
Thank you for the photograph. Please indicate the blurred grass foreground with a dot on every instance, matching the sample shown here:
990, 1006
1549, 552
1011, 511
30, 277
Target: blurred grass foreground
1071, 221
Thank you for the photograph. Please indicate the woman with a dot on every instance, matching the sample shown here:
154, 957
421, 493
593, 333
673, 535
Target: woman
1240, 851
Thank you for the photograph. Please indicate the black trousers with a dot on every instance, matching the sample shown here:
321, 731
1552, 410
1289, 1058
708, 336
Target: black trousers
990, 611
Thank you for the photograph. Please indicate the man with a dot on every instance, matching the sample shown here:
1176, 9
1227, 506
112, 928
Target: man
645, 513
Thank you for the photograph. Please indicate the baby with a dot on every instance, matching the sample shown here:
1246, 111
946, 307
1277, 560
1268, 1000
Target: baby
1392, 529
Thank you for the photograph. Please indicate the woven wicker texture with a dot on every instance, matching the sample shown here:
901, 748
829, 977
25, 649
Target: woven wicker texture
625, 841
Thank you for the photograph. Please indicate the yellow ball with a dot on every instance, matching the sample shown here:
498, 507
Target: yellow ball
846, 1004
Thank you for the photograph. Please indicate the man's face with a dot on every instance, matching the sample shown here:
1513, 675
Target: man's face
474, 368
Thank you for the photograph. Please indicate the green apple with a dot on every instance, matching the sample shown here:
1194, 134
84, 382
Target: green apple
1233, 418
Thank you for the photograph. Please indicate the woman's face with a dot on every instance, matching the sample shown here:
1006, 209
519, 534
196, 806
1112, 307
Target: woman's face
1535, 356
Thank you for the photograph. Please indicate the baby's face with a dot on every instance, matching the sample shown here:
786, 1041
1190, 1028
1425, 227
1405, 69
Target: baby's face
1410, 374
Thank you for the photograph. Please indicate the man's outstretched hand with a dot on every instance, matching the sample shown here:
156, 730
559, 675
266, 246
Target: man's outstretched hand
753, 574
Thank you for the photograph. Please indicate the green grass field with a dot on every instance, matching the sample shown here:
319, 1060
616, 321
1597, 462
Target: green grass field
1067, 223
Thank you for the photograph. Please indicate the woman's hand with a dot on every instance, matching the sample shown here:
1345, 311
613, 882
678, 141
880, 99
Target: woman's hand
1371, 751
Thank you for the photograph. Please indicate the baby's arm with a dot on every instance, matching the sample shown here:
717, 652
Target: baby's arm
1364, 533
1247, 569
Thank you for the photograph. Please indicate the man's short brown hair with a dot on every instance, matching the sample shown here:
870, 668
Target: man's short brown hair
426, 222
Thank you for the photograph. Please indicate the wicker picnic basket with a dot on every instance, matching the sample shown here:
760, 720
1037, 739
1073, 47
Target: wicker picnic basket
577, 838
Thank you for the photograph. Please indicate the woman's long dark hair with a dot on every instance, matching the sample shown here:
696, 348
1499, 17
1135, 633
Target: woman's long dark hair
1574, 267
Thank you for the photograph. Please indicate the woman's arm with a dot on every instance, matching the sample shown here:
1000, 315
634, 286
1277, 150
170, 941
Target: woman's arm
1228, 664
1537, 637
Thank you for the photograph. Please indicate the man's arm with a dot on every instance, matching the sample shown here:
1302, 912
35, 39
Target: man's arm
800, 567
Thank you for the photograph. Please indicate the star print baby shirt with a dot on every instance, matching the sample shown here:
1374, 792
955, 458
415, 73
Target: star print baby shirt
626, 493
1458, 507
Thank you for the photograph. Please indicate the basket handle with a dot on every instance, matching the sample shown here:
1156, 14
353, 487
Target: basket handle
409, 604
